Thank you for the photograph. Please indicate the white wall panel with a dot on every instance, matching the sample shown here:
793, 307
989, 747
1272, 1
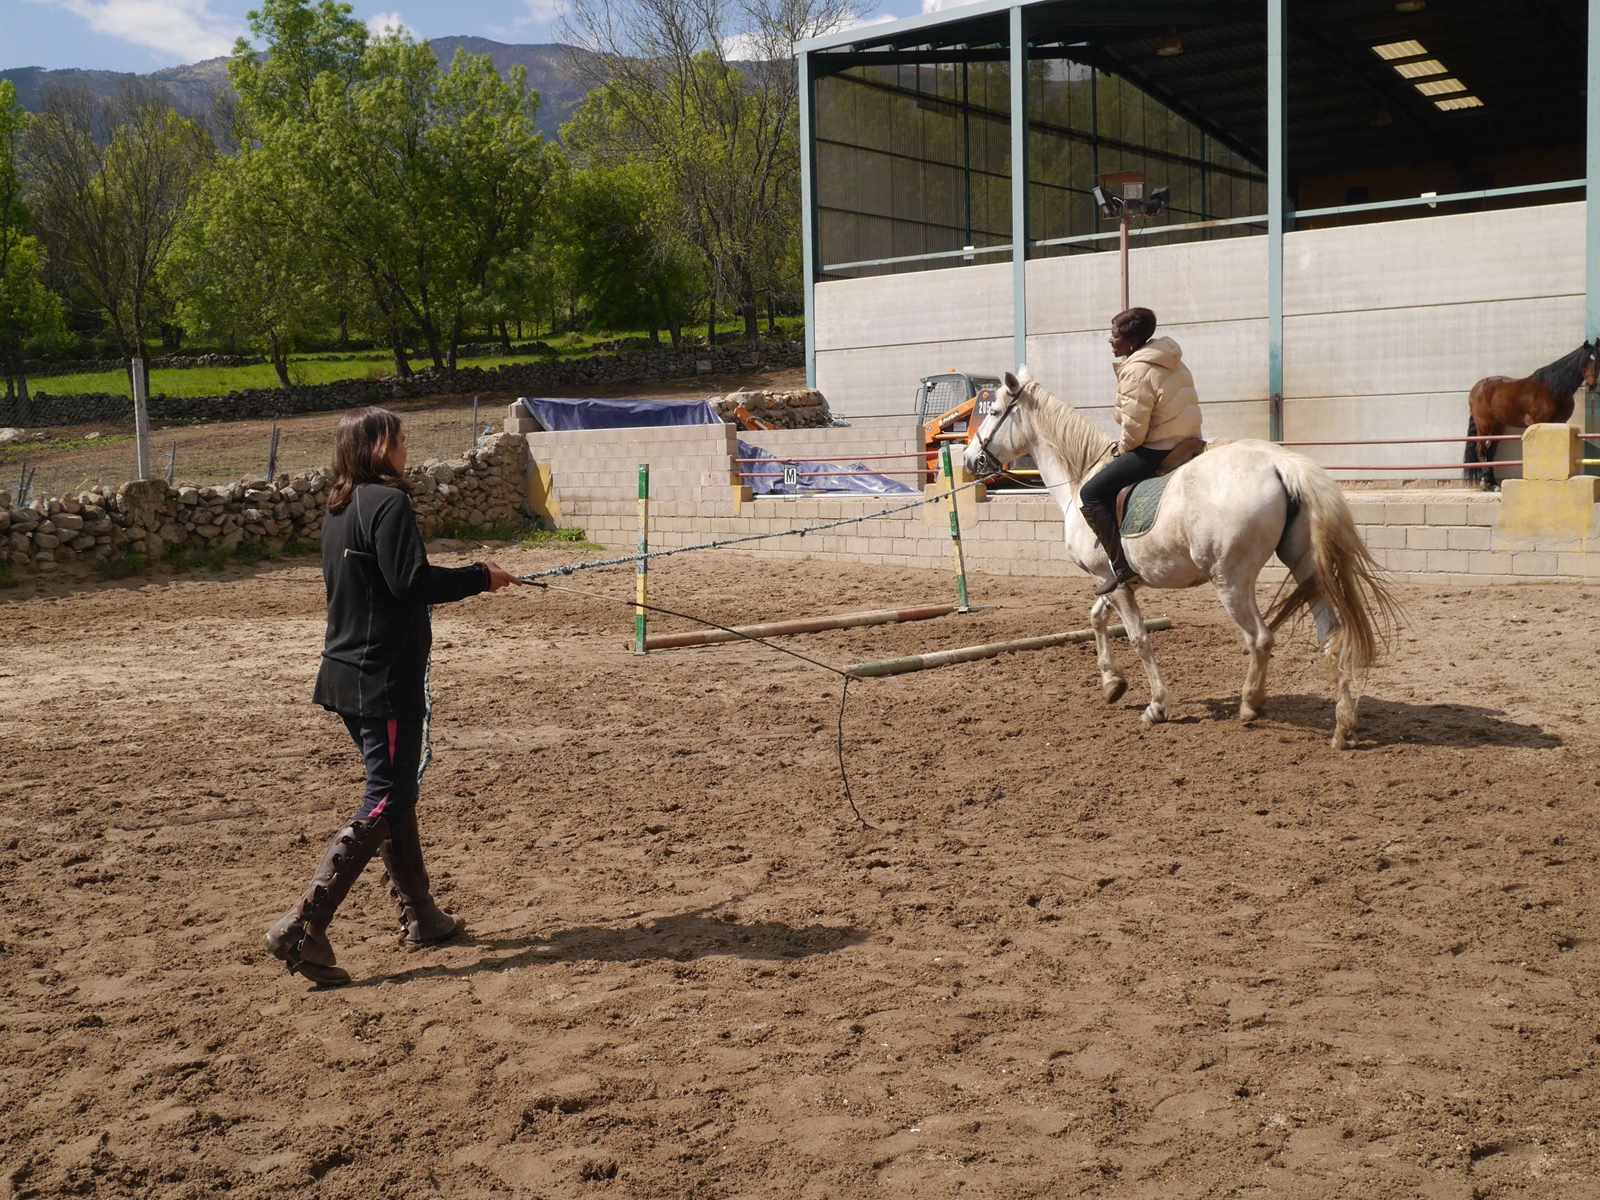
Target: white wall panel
1202, 281
1447, 348
1507, 254
927, 307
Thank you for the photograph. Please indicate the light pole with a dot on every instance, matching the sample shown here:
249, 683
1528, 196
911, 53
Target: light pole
1120, 195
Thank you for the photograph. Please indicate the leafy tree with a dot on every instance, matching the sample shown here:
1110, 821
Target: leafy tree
240, 273
726, 135
635, 271
491, 168
28, 309
108, 207
415, 181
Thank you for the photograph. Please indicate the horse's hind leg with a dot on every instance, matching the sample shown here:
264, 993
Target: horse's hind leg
1240, 603
1295, 551
1139, 638
1112, 684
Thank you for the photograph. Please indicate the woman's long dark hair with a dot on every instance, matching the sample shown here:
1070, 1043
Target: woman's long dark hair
361, 450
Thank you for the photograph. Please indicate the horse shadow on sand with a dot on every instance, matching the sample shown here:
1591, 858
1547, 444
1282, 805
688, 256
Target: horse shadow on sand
1395, 723
682, 937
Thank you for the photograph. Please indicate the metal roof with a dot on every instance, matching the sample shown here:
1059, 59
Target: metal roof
1348, 109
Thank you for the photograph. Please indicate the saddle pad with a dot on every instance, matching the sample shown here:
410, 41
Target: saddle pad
1144, 502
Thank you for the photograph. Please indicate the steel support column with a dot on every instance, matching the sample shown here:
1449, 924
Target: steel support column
1277, 200
1592, 188
1591, 196
808, 209
1019, 188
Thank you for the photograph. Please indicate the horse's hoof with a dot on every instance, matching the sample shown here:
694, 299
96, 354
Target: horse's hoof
1340, 740
1153, 714
1113, 689
1248, 714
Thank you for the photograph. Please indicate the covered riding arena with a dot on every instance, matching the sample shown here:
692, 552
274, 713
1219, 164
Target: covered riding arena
1066, 955
1370, 204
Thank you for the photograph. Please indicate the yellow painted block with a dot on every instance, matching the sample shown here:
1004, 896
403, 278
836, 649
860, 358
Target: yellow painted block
542, 493
742, 495
1550, 451
1550, 508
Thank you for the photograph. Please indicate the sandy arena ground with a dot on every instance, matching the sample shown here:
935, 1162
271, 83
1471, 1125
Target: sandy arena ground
1073, 958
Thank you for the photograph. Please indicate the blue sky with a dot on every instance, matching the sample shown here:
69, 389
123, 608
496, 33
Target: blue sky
145, 35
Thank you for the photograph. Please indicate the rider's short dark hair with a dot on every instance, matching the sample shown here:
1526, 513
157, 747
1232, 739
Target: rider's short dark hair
1136, 324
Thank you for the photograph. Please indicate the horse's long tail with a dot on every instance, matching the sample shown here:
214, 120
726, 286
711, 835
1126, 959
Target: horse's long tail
1470, 455
1345, 576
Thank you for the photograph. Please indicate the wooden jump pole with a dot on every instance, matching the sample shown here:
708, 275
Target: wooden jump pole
882, 616
961, 654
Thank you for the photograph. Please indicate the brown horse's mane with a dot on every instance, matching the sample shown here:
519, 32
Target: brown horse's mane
1563, 376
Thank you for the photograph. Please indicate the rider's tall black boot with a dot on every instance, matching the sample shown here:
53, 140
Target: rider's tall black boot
1104, 524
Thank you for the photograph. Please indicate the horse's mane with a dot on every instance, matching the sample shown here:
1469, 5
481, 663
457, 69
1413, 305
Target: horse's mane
1563, 376
1078, 444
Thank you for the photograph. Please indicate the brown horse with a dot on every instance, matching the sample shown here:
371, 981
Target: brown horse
1496, 403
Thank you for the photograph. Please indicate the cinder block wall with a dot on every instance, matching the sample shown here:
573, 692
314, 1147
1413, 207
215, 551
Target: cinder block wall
1386, 326
1419, 536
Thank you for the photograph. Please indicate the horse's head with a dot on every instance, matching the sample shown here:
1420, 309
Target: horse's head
1591, 363
1004, 435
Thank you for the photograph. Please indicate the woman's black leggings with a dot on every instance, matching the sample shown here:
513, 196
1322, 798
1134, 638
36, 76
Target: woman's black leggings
392, 749
1125, 470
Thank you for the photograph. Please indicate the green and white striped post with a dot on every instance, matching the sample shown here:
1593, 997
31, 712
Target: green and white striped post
955, 528
641, 570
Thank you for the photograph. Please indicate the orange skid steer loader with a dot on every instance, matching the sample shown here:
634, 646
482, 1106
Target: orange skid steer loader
950, 410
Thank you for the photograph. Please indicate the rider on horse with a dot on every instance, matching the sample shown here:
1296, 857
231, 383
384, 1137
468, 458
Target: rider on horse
1157, 407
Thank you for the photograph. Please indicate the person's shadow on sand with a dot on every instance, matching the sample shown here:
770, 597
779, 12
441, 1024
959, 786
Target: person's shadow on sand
679, 938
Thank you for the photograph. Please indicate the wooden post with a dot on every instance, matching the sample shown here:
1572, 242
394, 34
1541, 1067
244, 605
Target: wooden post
641, 571
955, 529
141, 424
473, 440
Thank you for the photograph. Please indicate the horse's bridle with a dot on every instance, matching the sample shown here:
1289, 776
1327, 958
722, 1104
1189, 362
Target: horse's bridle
983, 442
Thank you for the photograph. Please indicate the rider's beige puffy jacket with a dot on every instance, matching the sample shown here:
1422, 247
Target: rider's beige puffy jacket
1157, 405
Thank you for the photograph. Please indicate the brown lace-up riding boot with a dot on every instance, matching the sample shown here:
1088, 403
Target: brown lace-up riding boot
300, 936
1104, 525
422, 922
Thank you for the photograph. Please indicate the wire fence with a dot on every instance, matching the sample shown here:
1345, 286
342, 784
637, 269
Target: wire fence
68, 460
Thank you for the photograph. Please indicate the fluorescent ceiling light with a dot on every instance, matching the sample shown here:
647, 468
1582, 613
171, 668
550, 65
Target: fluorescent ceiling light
1441, 87
1458, 102
1420, 70
1406, 49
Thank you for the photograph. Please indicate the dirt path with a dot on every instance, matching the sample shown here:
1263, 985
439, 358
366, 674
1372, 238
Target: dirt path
437, 427
1073, 958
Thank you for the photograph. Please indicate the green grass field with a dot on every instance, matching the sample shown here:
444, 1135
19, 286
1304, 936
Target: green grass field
325, 367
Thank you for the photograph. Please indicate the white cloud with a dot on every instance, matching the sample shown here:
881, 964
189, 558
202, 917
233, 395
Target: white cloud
933, 6
182, 30
541, 15
389, 24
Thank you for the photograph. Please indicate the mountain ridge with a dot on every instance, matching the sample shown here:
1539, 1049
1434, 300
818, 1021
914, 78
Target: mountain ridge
197, 88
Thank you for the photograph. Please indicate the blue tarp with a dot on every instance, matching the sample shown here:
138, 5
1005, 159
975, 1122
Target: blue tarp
554, 413
770, 481
558, 414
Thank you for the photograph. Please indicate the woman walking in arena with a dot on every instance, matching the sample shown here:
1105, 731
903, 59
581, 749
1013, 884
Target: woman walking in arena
374, 675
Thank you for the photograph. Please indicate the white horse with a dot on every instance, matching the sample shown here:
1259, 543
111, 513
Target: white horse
1223, 515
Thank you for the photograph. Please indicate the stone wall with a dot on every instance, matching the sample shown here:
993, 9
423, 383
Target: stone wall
67, 534
527, 379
